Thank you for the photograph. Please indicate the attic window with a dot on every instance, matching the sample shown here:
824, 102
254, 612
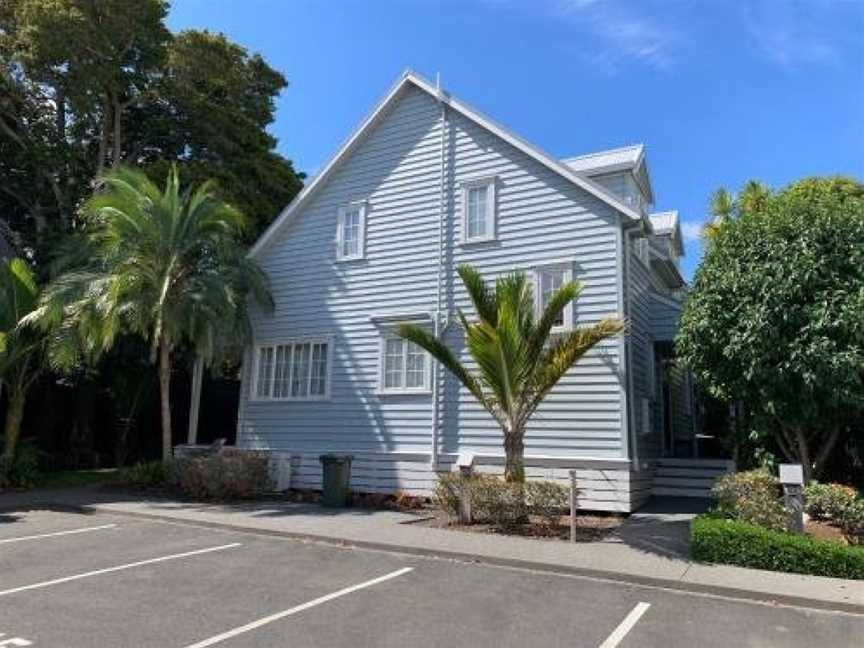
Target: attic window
351, 232
478, 210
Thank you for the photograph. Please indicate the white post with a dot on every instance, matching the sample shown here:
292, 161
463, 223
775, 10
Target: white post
195, 404
572, 506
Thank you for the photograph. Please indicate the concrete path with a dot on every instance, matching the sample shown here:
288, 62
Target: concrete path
650, 549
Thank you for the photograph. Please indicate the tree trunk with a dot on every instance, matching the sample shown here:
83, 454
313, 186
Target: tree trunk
165, 396
195, 403
514, 451
14, 414
825, 451
118, 132
803, 452
106, 133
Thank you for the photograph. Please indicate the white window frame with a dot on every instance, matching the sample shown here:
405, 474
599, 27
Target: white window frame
291, 343
425, 388
361, 207
490, 183
567, 269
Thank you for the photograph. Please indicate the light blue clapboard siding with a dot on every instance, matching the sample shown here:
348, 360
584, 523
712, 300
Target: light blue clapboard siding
664, 318
640, 295
542, 218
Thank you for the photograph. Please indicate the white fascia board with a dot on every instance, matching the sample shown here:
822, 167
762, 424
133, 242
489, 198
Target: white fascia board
511, 138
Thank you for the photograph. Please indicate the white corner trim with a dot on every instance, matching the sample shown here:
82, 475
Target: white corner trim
409, 77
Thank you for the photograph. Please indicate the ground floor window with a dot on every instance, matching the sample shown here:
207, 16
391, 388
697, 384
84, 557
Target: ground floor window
404, 366
295, 370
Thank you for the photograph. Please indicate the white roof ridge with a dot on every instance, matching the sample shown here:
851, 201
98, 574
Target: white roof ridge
617, 149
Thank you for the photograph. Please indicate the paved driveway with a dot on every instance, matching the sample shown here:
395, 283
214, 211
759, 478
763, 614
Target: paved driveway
84, 581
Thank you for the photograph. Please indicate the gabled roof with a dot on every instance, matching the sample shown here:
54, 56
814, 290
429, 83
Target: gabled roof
409, 78
667, 223
623, 158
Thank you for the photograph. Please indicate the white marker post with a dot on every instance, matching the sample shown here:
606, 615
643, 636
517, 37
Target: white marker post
572, 506
792, 480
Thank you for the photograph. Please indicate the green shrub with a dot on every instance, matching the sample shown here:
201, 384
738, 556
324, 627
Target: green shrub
225, 476
753, 497
828, 501
732, 542
501, 503
23, 469
548, 499
851, 521
497, 502
151, 474
447, 492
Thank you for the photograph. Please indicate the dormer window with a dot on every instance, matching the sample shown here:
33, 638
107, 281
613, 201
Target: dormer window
478, 210
351, 232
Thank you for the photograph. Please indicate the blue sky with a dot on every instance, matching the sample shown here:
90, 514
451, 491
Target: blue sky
720, 91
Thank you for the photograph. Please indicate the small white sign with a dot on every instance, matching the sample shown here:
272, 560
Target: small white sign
791, 474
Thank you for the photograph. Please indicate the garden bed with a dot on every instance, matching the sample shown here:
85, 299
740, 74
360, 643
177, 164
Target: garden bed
589, 527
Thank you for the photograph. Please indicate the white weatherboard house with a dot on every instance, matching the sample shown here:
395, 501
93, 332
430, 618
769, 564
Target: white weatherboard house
427, 183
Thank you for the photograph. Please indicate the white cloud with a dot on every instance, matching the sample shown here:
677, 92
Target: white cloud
621, 33
795, 34
691, 231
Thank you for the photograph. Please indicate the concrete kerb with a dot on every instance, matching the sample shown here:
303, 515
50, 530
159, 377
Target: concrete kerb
485, 559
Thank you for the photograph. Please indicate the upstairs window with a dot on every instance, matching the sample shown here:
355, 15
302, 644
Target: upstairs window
478, 210
404, 366
297, 370
351, 232
546, 281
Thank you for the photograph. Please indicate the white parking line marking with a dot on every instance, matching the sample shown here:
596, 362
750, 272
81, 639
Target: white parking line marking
108, 570
625, 626
14, 641
305, 606
58, 533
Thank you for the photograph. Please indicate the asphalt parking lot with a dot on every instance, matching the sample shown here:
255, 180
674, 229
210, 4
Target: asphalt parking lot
70, 580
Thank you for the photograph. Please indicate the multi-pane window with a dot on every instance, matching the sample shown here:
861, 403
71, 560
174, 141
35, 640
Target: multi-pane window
547, 281
404, 366
478, 210
350, 232
293, 371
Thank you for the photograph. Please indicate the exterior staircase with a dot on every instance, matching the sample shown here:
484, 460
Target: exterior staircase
688, 477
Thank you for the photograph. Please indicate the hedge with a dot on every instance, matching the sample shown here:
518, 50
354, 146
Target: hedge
720, 540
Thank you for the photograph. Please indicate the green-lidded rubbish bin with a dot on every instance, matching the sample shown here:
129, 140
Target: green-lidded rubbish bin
336, 471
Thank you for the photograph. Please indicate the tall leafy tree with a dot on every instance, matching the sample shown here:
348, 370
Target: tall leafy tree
21, 348
775, 316
518, 358
164, 264
89, 84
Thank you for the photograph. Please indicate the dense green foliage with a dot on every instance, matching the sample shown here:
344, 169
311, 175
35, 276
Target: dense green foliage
752, 497
775, 317
732, 542
21, 348
828, 501
518, 357
165, 265
88, 84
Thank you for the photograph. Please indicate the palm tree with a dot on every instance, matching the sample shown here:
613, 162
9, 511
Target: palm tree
20, 347
166, 265
519, 359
